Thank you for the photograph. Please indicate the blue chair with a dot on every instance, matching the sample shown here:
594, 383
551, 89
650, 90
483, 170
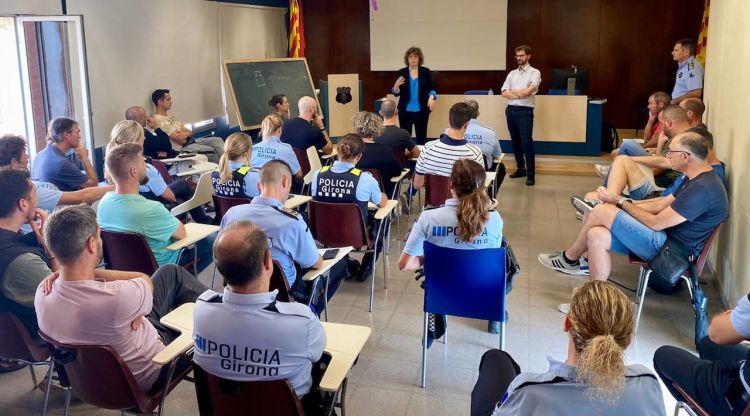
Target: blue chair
466, 283
477, 92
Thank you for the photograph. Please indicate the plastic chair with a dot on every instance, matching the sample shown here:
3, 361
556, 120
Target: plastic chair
437, 190
341, 225
203, 195
128, 252
16, 344
223, 203
477, 92
281, 283
645, 274
220, 397
690, 405
466, 283
304, 163
163, 171
99, 376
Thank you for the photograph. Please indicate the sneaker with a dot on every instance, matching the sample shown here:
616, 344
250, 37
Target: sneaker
602, 170
403, 201
556, 261
581, 205
583, 263
564, 308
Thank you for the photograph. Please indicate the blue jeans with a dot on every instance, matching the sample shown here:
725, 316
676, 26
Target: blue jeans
629, 234
205, 253
521, 126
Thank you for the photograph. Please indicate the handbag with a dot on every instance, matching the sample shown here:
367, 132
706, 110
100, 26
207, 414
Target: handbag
668, 266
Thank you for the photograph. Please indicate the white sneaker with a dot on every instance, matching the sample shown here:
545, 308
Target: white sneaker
581, 205
602, 170
579, 216
564, 308
556, 261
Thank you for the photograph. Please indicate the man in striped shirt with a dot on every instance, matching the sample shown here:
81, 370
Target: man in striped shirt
438, 156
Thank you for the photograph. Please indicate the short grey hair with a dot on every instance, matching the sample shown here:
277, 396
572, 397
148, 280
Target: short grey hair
388, 108
67, 231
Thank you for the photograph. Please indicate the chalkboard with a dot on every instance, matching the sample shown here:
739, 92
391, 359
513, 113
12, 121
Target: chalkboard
253, 82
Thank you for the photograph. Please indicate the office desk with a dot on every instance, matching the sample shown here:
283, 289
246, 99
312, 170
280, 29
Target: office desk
343, 343
296, 200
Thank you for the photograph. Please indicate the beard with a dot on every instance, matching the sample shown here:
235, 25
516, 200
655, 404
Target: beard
144, 180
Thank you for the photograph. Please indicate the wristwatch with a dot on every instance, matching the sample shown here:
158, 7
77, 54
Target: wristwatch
621, 201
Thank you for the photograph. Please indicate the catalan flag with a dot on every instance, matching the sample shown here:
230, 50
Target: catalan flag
296, 30
700, 49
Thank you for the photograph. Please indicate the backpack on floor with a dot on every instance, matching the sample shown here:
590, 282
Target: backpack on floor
610, 137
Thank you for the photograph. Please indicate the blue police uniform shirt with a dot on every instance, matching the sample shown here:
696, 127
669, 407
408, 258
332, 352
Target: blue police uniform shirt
252, 176
290, 237
156, 184
485, 139
689, 77
368, 188
440, 226
273, 149
48, 196
250, 337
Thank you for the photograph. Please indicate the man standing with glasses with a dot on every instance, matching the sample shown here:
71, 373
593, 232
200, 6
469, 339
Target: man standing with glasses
688, 216
519, 88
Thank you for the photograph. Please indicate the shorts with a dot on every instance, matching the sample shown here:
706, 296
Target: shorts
643, 190
629, 235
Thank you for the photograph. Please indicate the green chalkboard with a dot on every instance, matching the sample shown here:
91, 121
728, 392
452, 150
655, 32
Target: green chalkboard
253, 82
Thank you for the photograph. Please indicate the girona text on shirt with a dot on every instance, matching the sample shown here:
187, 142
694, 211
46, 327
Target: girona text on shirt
242, 359
452, 231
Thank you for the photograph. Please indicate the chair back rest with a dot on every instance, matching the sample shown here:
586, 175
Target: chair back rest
337, 224
437, 190
304, 163
703, 257
477, 92
98, 375
128, 252
16, 342
163, 171
203, 194
400, 157
692, 403
279, 282
313, 159
223, 203
467, 283
220, 397
376, 174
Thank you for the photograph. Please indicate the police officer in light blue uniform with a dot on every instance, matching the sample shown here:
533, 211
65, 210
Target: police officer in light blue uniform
291, 239
443, 226
246, 334
343, 183
482, 136
272, 148
689, 75
235, 178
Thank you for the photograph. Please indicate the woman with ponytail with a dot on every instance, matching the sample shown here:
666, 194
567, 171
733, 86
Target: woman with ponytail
272, 148
467, 213
344, 183
279, 105
594, 379
235, 177
156, 189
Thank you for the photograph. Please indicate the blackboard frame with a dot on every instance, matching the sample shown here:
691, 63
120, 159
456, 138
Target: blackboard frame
231, 91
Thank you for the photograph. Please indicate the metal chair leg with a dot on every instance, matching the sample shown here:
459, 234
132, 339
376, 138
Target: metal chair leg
502, 336
67, 402
195, 260
372, 280
641, 295
325, 296
213, 278
445, 334
49, 386
424, 351
689, 285
33, 374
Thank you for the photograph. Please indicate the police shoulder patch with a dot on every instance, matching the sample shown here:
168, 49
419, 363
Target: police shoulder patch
243, 170
355, 171
293, 308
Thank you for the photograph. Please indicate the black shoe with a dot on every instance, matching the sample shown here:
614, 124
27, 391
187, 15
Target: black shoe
352, 268
364, 271
530, 181
493, 327
518, 173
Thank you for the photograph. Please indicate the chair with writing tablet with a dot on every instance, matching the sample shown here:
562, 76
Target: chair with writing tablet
223, 203
465, 283
437, 189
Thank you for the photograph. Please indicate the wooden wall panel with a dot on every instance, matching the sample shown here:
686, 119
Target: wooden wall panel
624, 44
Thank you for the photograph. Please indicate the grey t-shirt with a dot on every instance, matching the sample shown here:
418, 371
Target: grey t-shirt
22, 277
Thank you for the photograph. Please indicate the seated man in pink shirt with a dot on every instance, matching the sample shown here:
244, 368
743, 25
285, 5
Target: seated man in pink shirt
84, 305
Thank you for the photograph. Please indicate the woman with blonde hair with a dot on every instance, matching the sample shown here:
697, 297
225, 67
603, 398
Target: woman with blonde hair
376, 156
272, 148
594, 379
467, 213
236, 177
344, 183
156, 188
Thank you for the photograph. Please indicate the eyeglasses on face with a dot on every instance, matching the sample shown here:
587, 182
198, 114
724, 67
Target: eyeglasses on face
669, 152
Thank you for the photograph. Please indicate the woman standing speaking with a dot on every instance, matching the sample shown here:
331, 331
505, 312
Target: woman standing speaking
417, 94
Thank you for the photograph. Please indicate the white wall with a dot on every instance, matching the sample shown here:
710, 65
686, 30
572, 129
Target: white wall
30, 7
727, 97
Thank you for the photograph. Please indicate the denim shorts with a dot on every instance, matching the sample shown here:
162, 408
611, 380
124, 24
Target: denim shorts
629, 235
642, 190
630, 147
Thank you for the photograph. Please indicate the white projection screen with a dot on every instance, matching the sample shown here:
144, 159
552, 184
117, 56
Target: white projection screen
469, 35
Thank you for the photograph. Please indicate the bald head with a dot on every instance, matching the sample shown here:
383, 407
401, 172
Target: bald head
136, 113
388, 109
240, 253
307, 107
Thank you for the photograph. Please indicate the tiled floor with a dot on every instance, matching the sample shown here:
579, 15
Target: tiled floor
385, 380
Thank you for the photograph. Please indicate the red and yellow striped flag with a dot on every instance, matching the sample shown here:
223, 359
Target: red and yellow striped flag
296, 30
700, 48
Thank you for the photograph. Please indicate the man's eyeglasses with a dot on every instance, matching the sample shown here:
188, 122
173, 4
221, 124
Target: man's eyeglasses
669, 152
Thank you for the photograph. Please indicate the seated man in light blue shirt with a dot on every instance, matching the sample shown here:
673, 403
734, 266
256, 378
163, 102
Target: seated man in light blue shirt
272, 148
293, 245
125, 210
482, 137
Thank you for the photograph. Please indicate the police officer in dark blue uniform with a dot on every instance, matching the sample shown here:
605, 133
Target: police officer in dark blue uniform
235, 177
343, 183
